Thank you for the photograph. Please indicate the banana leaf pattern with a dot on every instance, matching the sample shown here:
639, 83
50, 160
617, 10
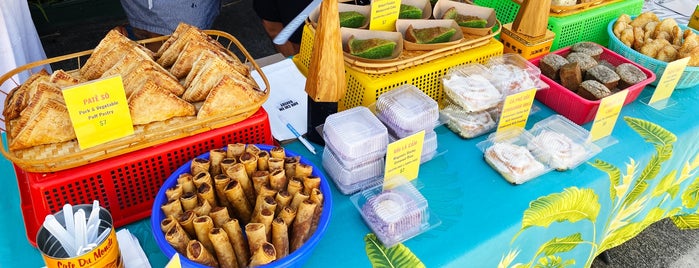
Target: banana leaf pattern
639, 195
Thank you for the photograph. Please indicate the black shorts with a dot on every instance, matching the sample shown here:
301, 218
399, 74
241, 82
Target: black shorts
281, 11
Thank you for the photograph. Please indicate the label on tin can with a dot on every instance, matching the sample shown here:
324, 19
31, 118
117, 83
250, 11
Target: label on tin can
106, 254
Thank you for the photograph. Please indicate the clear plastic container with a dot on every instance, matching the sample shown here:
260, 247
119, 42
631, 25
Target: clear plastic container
353, 162
407, 109
352, 180
471, 87
514, 74
355, 133
398, 132
507, 153
395, 215
560, 143
429, 145
467, 124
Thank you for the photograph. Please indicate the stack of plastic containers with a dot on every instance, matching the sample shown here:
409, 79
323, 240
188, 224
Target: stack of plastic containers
355, 146
407, 110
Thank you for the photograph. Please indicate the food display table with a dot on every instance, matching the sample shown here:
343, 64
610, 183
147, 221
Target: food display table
561, 217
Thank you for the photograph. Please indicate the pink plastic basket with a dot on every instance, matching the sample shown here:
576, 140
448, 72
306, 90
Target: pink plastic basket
579, 109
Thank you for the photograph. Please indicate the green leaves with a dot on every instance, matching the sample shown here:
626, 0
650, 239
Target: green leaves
571, 205
690, 197
651, 132
558, 245
395, 256
614, 176
686, 222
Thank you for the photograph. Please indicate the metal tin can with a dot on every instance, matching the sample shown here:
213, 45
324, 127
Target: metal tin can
105, 254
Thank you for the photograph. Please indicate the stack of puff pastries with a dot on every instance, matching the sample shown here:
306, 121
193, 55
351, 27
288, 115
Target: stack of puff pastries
190, 75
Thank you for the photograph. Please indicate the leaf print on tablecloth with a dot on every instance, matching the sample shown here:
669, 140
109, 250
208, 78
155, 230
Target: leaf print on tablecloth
685, 222
395, 256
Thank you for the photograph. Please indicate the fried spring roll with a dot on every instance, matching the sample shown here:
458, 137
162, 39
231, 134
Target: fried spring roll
177, 238
226, 163
186, 181
288, 214
235, 150
275, 163
235, 195
266, 217
263, 202
252, 148
201, 178
294, 186
303, 170
250, 162
310, 183
197, 252
283, 199
277, 180
189, 201
280, 237
266, 191
317, 198
264, 255
202, 227
262, 158
206, 192
186, 220
220, 182
290, 166
219, 215
302, 224
277, 152
174, 192
215, 157
203, 208
199, 165
238, 241
167, 223
256, 234
298, 199
224, 250
172, 208
237, 172
259, 178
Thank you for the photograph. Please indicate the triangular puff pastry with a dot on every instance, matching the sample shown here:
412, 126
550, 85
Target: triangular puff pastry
179, 31
38, 96
153, 103
63, 79
137, 78
204, 58
109, 51
50, 124
190, 53
171, 52
209, 75
18, 97
228, 96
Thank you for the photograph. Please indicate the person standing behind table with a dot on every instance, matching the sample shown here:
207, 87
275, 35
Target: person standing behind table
19, 44
275, 14
152, 18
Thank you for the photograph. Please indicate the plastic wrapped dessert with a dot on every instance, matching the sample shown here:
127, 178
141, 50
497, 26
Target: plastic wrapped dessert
406, 110
350, 180
471, 87
514, 74
355, 133
560, 143
507, 153
395, 214
467, 124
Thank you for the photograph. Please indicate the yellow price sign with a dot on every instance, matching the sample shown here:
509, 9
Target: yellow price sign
384, 14
669, 80
515, 110
403, 157
607, 114
99, 111
174, 261
694, 19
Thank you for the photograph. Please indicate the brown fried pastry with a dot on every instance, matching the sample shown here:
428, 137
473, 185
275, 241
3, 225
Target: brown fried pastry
154, 103
38, 96
63, 79
18, 97
181, 28
137, 78
204, 57
187, 35
50, 124
109, 51
209, 75
228, 96
190, 53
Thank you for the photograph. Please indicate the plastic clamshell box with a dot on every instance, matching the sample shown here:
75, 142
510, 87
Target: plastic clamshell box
514, 74
407, 110
429, 145
352, 180
468, 124
576, 108
396, 214
355, 133
507, 153
561, 143
472, 87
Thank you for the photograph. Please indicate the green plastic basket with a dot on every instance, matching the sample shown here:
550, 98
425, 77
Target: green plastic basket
589, 25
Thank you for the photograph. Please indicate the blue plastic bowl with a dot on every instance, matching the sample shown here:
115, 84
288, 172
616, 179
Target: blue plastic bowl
294, 259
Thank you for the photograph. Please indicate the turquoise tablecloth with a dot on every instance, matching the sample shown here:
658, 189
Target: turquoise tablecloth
561, 217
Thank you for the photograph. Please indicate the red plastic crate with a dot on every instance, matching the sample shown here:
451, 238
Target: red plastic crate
126, 184
579, 109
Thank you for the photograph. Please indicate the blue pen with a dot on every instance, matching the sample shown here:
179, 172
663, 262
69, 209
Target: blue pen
298, 136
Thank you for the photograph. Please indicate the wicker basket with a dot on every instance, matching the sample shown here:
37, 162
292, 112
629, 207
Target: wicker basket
65, 155
561, 11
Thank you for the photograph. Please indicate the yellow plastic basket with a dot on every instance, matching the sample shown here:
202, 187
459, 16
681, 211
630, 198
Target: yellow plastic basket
364, 88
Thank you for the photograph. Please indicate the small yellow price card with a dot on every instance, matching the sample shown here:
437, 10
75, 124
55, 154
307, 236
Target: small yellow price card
694, 19
99, 111
384, 14
516, 110
174, 261
403, 157
669, 80
607, 114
